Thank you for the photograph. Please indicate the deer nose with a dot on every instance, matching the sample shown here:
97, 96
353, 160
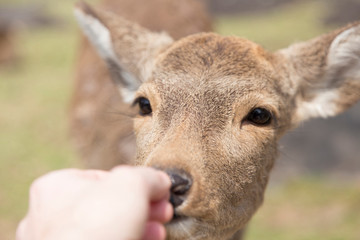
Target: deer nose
180, 185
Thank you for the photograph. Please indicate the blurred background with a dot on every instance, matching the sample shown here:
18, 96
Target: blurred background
314, 191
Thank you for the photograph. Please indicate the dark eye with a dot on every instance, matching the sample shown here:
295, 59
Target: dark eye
144, 105
259, 116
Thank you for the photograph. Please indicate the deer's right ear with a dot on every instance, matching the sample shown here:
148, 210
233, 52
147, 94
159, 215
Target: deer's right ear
128, 49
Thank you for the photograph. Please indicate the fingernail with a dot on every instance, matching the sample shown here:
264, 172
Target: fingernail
165, 178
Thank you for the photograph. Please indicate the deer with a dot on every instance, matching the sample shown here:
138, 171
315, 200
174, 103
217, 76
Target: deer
210, 110
100, 128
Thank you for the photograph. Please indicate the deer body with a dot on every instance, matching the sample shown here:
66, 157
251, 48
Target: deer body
211, 110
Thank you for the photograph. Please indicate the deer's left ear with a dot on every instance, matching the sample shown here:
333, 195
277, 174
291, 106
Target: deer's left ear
324, 73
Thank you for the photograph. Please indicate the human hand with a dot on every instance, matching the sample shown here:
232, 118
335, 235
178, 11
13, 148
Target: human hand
127, 203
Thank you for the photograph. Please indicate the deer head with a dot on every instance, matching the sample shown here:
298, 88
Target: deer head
212, 108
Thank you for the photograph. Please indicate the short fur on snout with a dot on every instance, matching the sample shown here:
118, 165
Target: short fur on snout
202, 90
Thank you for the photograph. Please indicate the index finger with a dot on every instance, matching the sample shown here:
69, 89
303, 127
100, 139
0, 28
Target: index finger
157, 183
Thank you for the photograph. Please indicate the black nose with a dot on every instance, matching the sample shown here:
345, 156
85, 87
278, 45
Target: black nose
180, 185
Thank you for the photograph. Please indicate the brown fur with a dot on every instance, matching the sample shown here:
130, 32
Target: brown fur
202, 88
100, 131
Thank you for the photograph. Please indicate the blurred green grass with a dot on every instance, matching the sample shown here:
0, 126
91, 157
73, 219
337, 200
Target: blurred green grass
34, 134
33, 122
307, 209
279, 27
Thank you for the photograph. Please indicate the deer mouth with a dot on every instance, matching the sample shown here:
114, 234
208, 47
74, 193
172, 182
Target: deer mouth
177, 218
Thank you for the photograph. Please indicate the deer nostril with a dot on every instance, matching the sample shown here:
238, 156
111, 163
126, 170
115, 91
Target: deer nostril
180, 185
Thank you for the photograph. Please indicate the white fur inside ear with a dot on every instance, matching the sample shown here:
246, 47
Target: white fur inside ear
100, 37
97, 33
343, 62
323, 105
344, 52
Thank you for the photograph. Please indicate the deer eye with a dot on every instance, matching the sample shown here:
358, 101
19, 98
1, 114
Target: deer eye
144, 106
259, 116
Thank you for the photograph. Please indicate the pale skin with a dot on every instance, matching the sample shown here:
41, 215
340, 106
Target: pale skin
129, 203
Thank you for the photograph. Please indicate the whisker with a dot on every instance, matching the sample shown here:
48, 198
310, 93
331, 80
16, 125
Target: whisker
127, 111
122, 113
186, 231
205, 225
119, 120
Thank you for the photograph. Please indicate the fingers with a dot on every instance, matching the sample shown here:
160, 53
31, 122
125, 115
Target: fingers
154, 231
157, 183
161, 211
142, 192
154, 188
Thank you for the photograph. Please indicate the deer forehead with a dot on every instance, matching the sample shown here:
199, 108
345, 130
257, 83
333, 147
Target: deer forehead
208, 83
215, 55
211, 73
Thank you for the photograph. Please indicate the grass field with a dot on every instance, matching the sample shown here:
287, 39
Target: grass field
34, 134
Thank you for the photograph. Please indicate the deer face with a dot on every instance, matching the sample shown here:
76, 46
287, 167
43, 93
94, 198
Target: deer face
213, 124
211, 109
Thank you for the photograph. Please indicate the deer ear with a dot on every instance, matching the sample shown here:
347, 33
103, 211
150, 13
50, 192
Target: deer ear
128, 49
325, 72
